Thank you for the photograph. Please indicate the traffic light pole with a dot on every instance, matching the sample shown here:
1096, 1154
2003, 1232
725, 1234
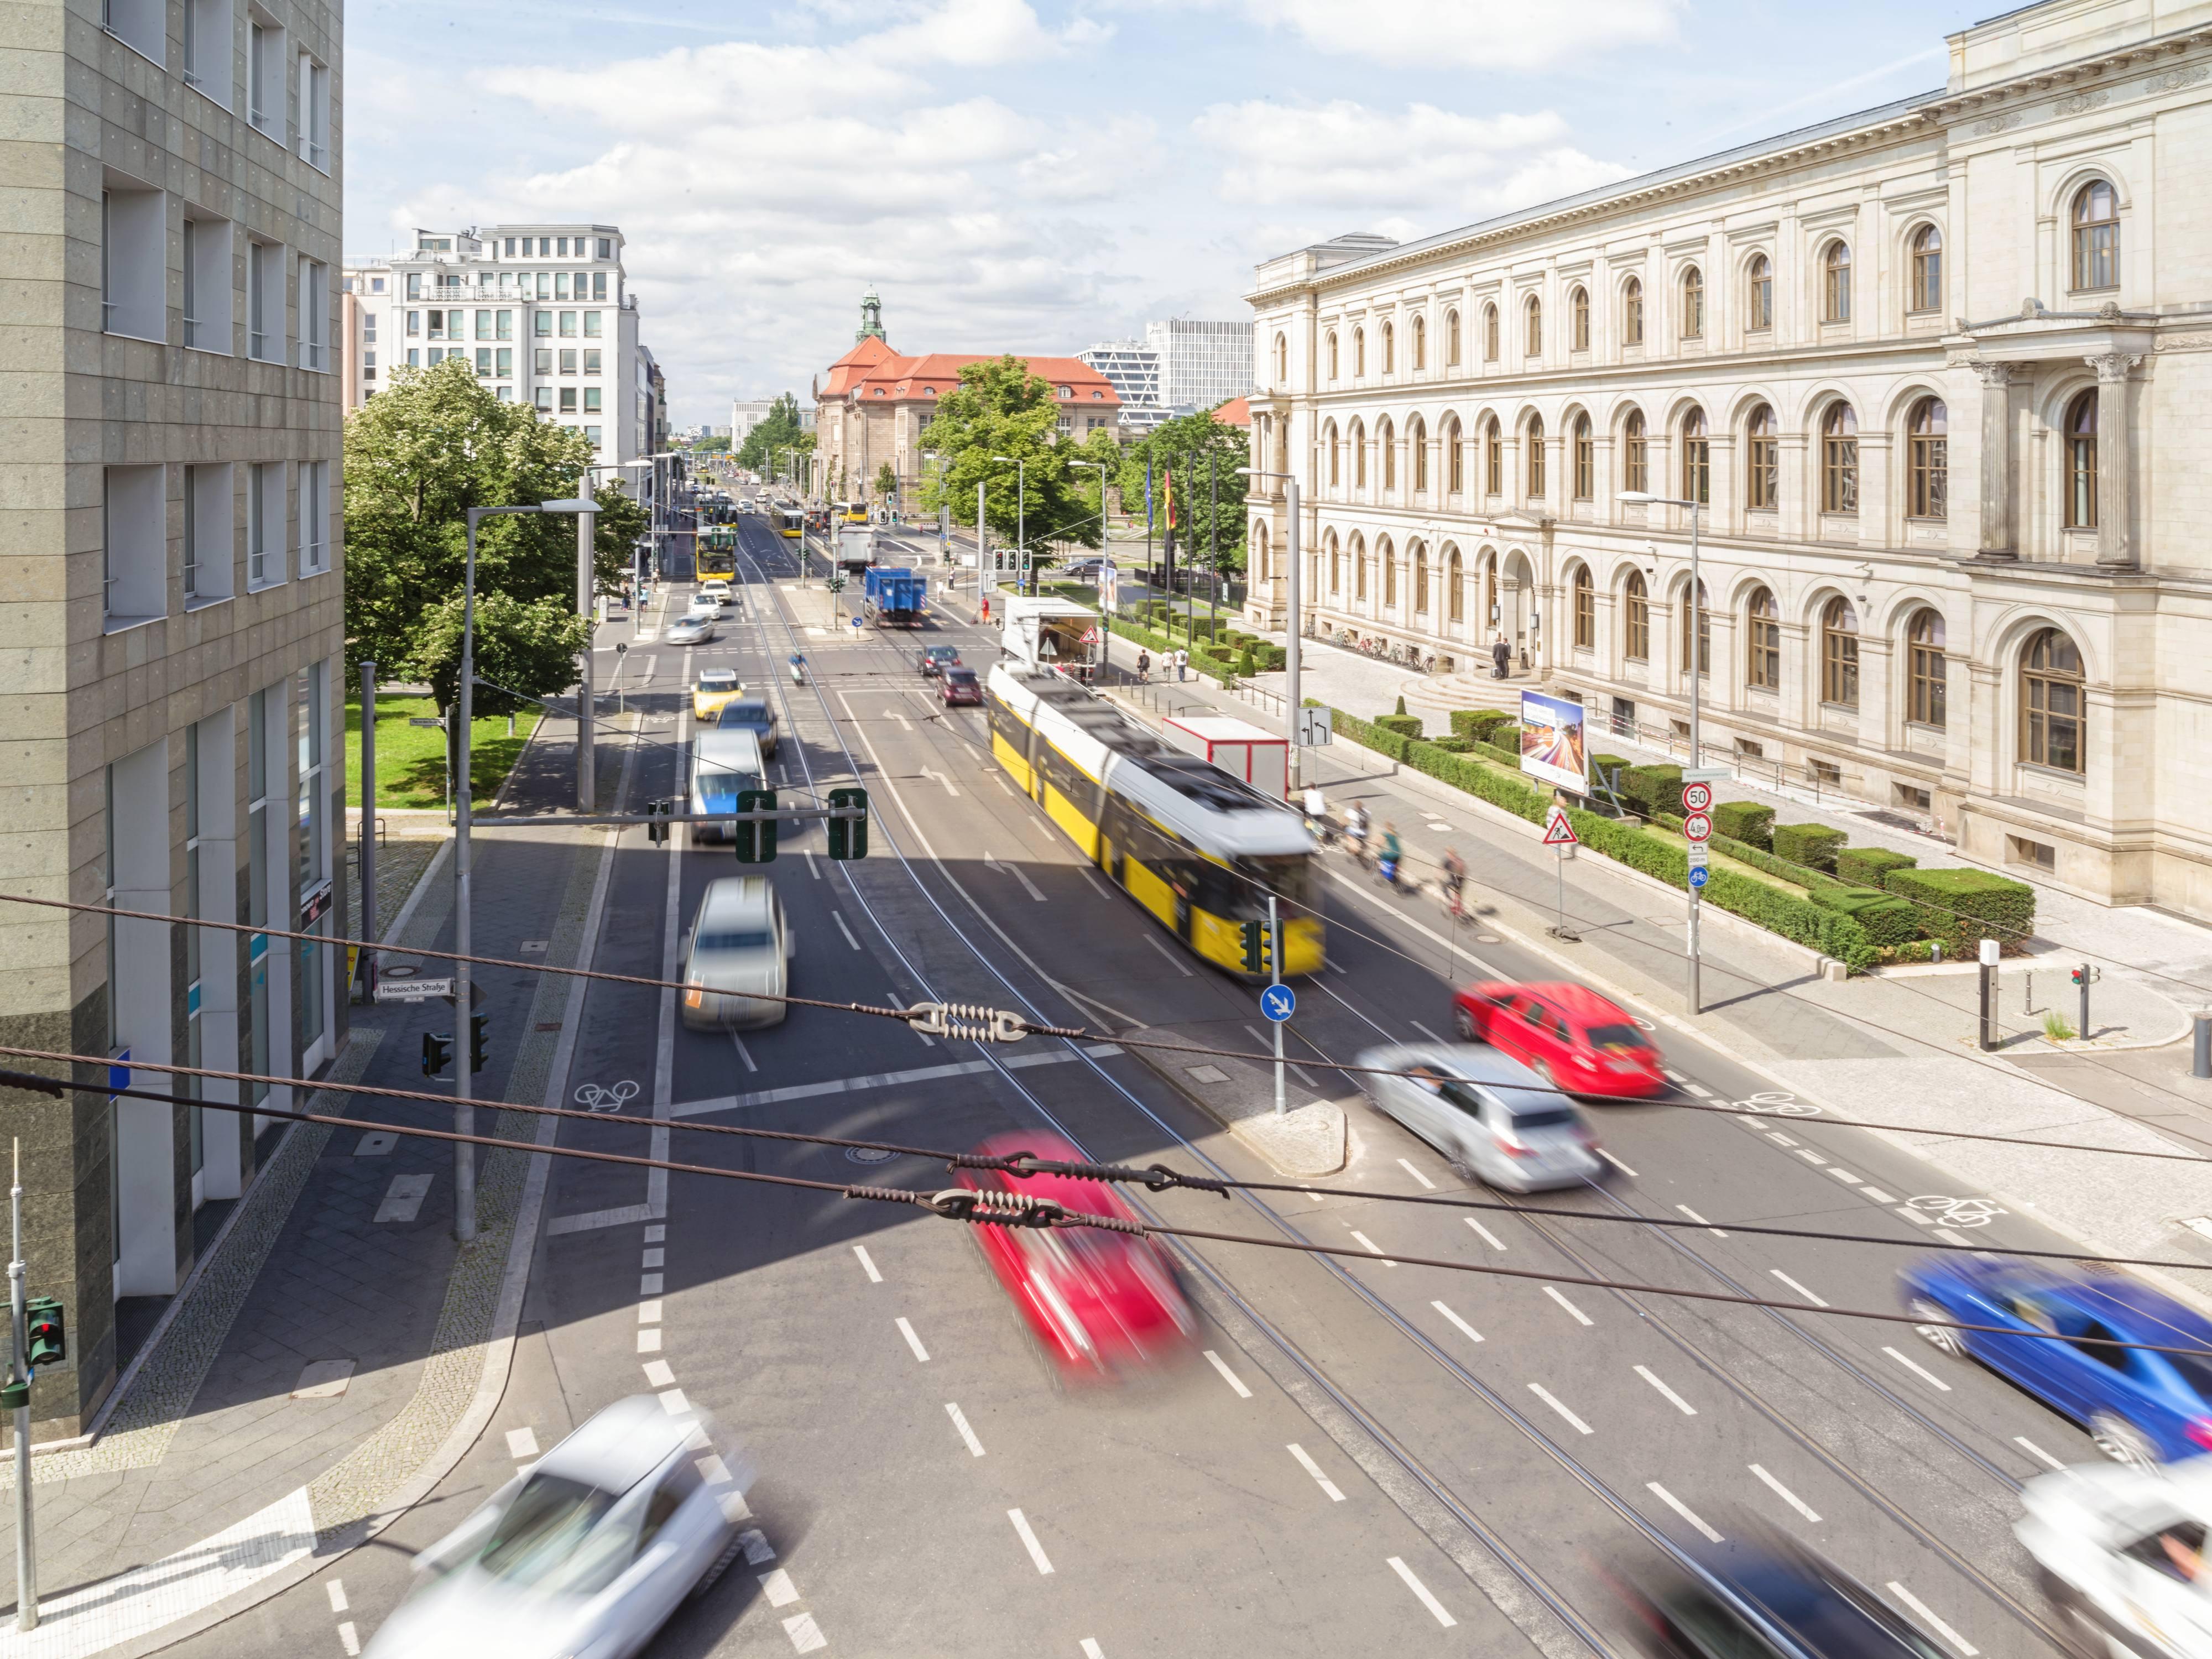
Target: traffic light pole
1275, 962
18, 1375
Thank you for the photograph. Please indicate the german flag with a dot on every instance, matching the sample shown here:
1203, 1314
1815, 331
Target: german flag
1168, 513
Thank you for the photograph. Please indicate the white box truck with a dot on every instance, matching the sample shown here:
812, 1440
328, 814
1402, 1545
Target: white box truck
1241, 749
1053, 632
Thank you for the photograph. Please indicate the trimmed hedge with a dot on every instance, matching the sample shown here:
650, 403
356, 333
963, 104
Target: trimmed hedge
1201, 659
1454, 744
1889, 919
1963, 907
1408, 726
1748, 822
1657, 788
1476, 722
1812, 845
1870, 866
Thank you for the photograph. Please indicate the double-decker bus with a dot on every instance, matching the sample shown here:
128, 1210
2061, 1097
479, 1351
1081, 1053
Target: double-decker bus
718, 551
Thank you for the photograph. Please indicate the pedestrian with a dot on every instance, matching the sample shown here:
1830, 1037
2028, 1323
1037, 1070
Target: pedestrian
1182, 662
1501, 658
1454, 879
1144, 667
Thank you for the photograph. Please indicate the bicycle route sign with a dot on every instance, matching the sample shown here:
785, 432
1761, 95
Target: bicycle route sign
1278, 1003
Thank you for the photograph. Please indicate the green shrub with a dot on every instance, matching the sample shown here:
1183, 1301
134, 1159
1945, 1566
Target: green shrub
1476, 723
1668, 821
1246, 663
1963, 907
1454, 744
1914, 950
1812, 845
1503, 742
1652, 788
1889, 919
1404, 725
1870, 866
1401, 708
1271, 657
1745, 821
1759, 859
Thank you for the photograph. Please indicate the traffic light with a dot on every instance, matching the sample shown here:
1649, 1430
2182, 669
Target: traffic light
479, 1029
1259, 948
848, 837
656, 832
437, 1052
2080, 976
755, 843
44, 1341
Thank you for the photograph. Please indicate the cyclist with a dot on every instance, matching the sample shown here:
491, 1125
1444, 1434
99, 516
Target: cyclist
1316, 813
1393, 849
798, 669
1454, 880
1355, 831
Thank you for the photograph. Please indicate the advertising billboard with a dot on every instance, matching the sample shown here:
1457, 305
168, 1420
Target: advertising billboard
1551, 746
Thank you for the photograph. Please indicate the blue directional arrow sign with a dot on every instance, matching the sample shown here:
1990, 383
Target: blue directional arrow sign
1698, 876
1278, 1003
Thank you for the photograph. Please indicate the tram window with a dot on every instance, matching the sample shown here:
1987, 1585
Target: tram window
1290, 877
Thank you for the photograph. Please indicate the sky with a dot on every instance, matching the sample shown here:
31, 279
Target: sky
1038, 175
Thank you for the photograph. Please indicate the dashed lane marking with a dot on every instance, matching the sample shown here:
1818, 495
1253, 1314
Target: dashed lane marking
1465, 1329
1700, 1220
1918, 1370
2036, 1451
649, 1340
744, 1053
867, 1264
673, 1402
648, 1313
1371, 1247
1617, 1164
1785, 1494
1406, 1166
1029, 1540
1488, 1236
1796, 1286
1314, 1470
1228, 1375
1091, 1649
843, 929
1811, 1157
658, 1374
1425, 1030
1554, 1402
1427, 1599
1878, 1195
1579, 1317
960, 1422
1843, 1174
1682, 1510
912, 1340
1168, 954
870, 1080
1673, 1399
777, 1587
1934, 1623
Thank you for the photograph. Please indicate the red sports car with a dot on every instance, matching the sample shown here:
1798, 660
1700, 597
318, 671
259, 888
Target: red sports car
1098, 1302
1568, 1035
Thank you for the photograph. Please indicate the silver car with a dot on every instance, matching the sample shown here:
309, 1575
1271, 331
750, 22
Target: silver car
584, 1553
1486, 1112
739, 942
695, 629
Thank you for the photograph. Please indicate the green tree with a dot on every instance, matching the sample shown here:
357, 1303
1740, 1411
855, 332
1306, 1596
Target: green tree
1002, 409
887, 481
717, 445
1198, 449
621, 522
780, 430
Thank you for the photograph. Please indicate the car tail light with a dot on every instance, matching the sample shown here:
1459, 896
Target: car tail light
1516, 1148
2200, 1432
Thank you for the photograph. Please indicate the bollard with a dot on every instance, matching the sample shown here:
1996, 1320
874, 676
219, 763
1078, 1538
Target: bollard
2201, 1061
1988, 964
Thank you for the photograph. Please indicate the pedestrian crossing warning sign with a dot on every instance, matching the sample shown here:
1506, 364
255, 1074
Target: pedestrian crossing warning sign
1557, 832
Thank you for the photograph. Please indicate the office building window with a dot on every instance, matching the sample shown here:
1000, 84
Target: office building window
568, 324
542, 358
1636, 619
315, 314
568, 400
2096, 237
606, 247
2051, 703
592, 363
1761, 470
264, 78
598, 285
505, 364
1839, 654
1761, 294
592, 325
592, 435
414, 358
542, 324
544, 399
314, 517
314, 114
1927, 460
1839, 460
1634, 453
591, 400
484, 362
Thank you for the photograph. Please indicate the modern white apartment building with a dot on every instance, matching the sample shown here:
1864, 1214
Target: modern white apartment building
1201, 364
542, 311
1937, 376
1133, 369
171, 730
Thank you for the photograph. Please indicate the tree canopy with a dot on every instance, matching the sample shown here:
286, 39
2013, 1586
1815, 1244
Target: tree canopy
1188, 445
1001, 409
780, 430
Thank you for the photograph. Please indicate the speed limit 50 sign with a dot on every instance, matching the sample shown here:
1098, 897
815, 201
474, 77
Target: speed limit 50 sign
1697, 796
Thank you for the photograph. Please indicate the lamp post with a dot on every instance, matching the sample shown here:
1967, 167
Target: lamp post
464, 1169
1291, 705
587, 702
1021, 511
1696, 609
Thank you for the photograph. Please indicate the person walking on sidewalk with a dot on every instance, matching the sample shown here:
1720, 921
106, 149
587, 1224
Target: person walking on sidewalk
1143, 667
1182, 664
1501, 658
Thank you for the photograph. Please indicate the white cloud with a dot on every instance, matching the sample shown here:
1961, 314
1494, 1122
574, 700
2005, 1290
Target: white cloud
1478, 35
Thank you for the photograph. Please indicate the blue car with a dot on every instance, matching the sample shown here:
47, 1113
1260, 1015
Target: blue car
2141, 1408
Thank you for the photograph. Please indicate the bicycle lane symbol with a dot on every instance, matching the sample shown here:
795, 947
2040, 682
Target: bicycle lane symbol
606, 1097
1959, 1212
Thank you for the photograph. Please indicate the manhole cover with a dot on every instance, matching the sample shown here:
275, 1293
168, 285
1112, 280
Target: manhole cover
869, 1155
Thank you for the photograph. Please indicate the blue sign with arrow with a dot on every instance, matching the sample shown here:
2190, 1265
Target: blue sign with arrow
1278, 1003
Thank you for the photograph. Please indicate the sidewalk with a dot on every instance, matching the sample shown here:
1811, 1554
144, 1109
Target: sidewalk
334, 1351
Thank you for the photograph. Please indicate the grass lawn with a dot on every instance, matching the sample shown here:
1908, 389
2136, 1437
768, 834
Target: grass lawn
410, 760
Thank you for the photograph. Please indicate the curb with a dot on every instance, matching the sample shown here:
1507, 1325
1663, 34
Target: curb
1311, 1141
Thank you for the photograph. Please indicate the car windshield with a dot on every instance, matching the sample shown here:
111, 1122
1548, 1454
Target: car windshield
962, 677
720, 788
537, 1540
743, 713
733, 941
1617, 1036
943, 653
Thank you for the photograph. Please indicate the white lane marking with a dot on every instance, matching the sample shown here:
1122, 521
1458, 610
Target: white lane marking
1168, 954
1699, 1089
349, 1638
1580, 1317
1951, 1238
1877, 1195
1843, 1174
1029, 1540
1678, 1403
1425, 1030
1094, 882
656, 1233
1916, 1218
649, 1340
1920, 1371
777, 1585
337, 1586
1936, 1625
1796, 1286
2036, 1451
1553, 1400
744, 1053
1371, 1247
843, 929
1017, 873
1428, 1601
912, 1340
754, 1542
673, 1402
1091, 1649
403, 1199
842, 1085
813, 869
1488, 1236
1785, 1494
1776, 1135
1674, 1076
904, 724
960, 1422
1812, 1156
520, 1442
1616, 1162
625, 1215
1682, 1510
1700, 1220
1465, 1329
658, 1374
1313, 1469
1228, 1375
649, 1283
938, 777
648, 1313
1408, 1167
867, 1264
655, 1257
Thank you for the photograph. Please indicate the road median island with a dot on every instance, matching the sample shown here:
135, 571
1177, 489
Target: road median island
1240, 1096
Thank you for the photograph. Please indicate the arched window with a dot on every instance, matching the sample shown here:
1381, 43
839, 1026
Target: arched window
2081, 462
1836, 283
1417, 440
1334, 477
1386, 444
1335, 565
1358, 569
1762, 662
1456, 587
1421, 577
1635, 454
1701, 621
1697, 459
1585, 609
1761, 470
1451, 338
1494, 458
2051, 703
1358, 456
1578, 318
1489, 334
1332, 354
1454, 458
1925, 673
1282, 359
1759, 284
1585, 459
1693, 304
1632, 313
1839, 460
1927, 460
1385, 557
1389, 347
1636, 619
1927, 293
2096, 237
1533, 437
1839, 653
1358, 352
1420, 343
1535, 311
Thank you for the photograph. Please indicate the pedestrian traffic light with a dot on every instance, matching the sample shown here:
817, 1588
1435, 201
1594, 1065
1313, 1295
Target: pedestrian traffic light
45, 1341
657, 832
1258, 947
848, 837
756, 842
437, 1052
479, 1030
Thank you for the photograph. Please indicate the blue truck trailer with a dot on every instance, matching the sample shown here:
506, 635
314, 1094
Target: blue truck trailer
894, 596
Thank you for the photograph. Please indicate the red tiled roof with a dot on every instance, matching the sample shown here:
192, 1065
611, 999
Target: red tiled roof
1237, 411
881, 373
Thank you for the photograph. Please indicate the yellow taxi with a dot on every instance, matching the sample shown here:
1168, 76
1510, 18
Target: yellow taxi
715, 686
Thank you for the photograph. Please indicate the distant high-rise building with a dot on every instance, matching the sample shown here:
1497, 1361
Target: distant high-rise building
1133, 369
1201, 364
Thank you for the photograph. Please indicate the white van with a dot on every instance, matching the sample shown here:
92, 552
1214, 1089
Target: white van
739, 942
724, 761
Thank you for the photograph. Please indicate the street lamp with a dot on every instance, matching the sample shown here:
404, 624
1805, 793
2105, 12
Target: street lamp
1021, 511
1291, 653
464, 1169
1696, 609
588, 704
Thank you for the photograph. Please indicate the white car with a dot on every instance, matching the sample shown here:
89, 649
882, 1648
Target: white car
2120, 1555
1485, 1111
719, 587
586, 1553
705, 604
741, 941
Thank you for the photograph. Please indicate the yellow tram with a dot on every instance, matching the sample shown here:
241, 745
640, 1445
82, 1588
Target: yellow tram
1197, 848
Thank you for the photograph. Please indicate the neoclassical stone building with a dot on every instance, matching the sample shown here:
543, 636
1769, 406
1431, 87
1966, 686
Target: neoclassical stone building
1939, 376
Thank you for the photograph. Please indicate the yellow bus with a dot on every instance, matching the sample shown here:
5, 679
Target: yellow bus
790, 522
851, 512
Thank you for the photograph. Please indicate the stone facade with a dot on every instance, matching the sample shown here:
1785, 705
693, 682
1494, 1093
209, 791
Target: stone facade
1944, 531
173, 631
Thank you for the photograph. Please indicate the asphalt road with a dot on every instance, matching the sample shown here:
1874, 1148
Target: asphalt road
1376, 1456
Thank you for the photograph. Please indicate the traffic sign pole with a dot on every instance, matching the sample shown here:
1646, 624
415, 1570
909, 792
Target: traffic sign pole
1559, 835
1275, 961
